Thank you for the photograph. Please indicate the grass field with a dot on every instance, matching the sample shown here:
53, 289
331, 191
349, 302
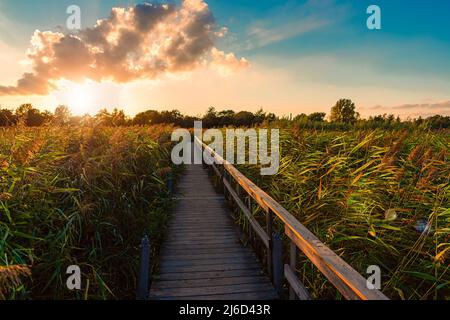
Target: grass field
82, 196
376, 197
85, 196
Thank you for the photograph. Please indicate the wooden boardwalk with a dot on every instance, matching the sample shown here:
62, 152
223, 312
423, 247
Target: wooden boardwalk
202, 257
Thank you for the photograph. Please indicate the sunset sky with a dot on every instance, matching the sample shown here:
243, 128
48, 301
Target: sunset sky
284, 56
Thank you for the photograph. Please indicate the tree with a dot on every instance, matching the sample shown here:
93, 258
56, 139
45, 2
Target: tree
36, 118
7, 118
22, 111
31, 116
146, 118
116, 118
225, 118
244, 119
210, 119
344, 111
61, 116
317, 117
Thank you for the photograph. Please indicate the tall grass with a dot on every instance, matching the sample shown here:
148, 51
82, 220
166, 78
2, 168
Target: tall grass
82, 196
376, 198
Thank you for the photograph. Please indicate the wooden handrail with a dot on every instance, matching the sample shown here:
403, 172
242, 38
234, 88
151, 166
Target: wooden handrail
346, 280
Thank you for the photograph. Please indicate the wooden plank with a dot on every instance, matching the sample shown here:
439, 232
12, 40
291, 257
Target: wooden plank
295, 284
243, 260
257, 271
215, 290
212, 267
251, 296
183, 237
217, 255
201, 246
209, 282
211, 229
211, 242
196, 252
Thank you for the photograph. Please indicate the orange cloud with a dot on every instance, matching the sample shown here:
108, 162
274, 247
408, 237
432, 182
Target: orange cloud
139, 42
227, 63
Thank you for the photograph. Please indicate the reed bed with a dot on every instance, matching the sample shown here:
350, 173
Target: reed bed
79, 196
375, 197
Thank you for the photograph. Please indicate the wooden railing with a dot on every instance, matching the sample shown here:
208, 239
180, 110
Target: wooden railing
342, 276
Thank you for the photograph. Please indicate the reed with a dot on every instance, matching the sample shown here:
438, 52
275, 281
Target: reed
80, 196
376, 197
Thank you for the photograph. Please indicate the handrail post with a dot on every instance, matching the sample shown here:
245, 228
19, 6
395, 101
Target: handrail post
144, 272
249, 228
269, 230
278, 266
293, 266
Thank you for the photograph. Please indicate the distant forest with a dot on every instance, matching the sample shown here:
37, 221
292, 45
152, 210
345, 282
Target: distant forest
343, 116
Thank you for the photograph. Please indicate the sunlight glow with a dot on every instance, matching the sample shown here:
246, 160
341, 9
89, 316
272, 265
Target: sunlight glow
87, 97
80, 98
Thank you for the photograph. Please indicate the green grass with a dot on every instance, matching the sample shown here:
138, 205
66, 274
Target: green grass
81, 196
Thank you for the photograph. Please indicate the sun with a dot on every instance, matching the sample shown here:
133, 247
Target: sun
88, 97
81, 98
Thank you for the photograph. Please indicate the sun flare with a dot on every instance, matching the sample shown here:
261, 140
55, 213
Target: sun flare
80, 98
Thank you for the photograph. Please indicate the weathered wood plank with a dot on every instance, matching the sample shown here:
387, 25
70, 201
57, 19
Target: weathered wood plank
209, 282
211, 290
202, 251
212, 267
210, 256
208, 274
243, 260
243, 296
201, 246
188, 243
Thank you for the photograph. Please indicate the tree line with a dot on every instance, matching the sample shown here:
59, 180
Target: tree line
343, 116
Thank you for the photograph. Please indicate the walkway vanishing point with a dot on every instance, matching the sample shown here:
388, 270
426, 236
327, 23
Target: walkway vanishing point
202, 257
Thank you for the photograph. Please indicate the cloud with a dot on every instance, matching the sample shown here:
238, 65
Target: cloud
293, 20
444, 105
139, 42
414, 109
227, 64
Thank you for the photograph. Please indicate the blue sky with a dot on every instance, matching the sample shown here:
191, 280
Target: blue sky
322, 47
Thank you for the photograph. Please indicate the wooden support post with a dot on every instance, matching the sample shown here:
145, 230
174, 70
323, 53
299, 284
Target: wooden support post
249, 227
293, 265
222, 175
225, 191
278, 266
269, 230
144, 272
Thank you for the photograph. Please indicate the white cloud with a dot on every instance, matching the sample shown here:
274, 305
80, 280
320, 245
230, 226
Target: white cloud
143, 41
